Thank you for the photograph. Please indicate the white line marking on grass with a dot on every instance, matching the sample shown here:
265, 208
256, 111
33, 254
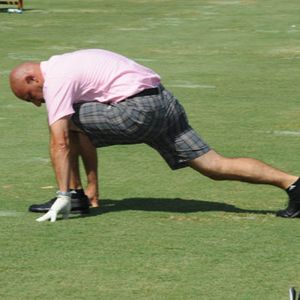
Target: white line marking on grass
286, 133
6, 28
193, 86
72, 11
267, 31
288, 52
92, 41
43, 160
144, 59
210, 13
244, 217
282, 132
7, 186
48, 187
296, 57
172, 21
226, 2
224, 29
61, 48
10, 213
40, 159
19, 56
133, 29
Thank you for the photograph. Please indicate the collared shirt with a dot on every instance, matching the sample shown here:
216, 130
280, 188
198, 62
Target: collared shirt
91, 75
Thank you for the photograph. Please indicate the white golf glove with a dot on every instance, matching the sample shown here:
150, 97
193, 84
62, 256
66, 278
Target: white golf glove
61, 205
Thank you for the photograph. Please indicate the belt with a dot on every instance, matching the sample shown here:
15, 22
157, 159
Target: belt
148, 92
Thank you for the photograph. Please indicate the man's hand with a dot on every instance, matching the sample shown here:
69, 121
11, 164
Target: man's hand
61, 205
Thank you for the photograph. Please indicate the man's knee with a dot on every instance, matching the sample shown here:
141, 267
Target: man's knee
210, 164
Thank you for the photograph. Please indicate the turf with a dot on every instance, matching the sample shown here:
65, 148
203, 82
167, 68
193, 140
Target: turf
160, 234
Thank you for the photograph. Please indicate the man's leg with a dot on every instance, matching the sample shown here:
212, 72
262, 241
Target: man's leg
81, 146
88, 154
75, 181
250, 170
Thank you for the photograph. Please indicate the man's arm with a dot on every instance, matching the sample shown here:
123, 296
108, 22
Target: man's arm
60, 153
60, 156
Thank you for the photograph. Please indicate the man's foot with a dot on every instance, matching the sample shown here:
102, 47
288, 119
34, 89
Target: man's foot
79, 203
91, 192
292, 293
293, 208
292, 211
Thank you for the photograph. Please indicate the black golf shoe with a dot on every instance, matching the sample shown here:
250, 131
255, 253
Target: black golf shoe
292, 293
79, 203
292, 210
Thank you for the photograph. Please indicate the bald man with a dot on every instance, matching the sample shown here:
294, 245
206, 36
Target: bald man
81, 199
114, 100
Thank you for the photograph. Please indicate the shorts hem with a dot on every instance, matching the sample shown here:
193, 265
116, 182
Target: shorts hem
184, 164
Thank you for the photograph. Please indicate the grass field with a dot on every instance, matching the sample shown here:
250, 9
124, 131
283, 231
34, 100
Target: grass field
235, 66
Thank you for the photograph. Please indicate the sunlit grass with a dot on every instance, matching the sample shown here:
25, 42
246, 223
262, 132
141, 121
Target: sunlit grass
160, 234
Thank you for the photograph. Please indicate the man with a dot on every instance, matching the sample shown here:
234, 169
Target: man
114, 100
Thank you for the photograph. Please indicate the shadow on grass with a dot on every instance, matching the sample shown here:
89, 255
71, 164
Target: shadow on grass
176, 205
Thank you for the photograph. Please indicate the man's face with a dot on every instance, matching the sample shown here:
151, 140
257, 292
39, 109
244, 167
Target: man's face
29, 90
33, 92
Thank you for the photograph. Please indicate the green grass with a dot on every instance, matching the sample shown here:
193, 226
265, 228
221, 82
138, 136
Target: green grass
161, 234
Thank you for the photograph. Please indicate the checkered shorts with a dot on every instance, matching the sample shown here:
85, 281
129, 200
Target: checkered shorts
157, 120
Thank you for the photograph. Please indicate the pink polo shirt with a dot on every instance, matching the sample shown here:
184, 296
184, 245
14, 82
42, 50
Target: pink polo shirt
91, 75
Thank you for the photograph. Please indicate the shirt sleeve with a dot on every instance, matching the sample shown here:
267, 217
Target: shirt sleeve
59, 97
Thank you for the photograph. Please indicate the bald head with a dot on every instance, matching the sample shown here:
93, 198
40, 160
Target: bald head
26, 82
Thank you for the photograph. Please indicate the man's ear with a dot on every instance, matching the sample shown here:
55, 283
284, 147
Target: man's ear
30, 78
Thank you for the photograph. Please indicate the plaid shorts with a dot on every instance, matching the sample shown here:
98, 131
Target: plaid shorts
156, 120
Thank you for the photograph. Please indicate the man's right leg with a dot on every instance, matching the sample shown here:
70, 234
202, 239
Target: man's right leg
88, 153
